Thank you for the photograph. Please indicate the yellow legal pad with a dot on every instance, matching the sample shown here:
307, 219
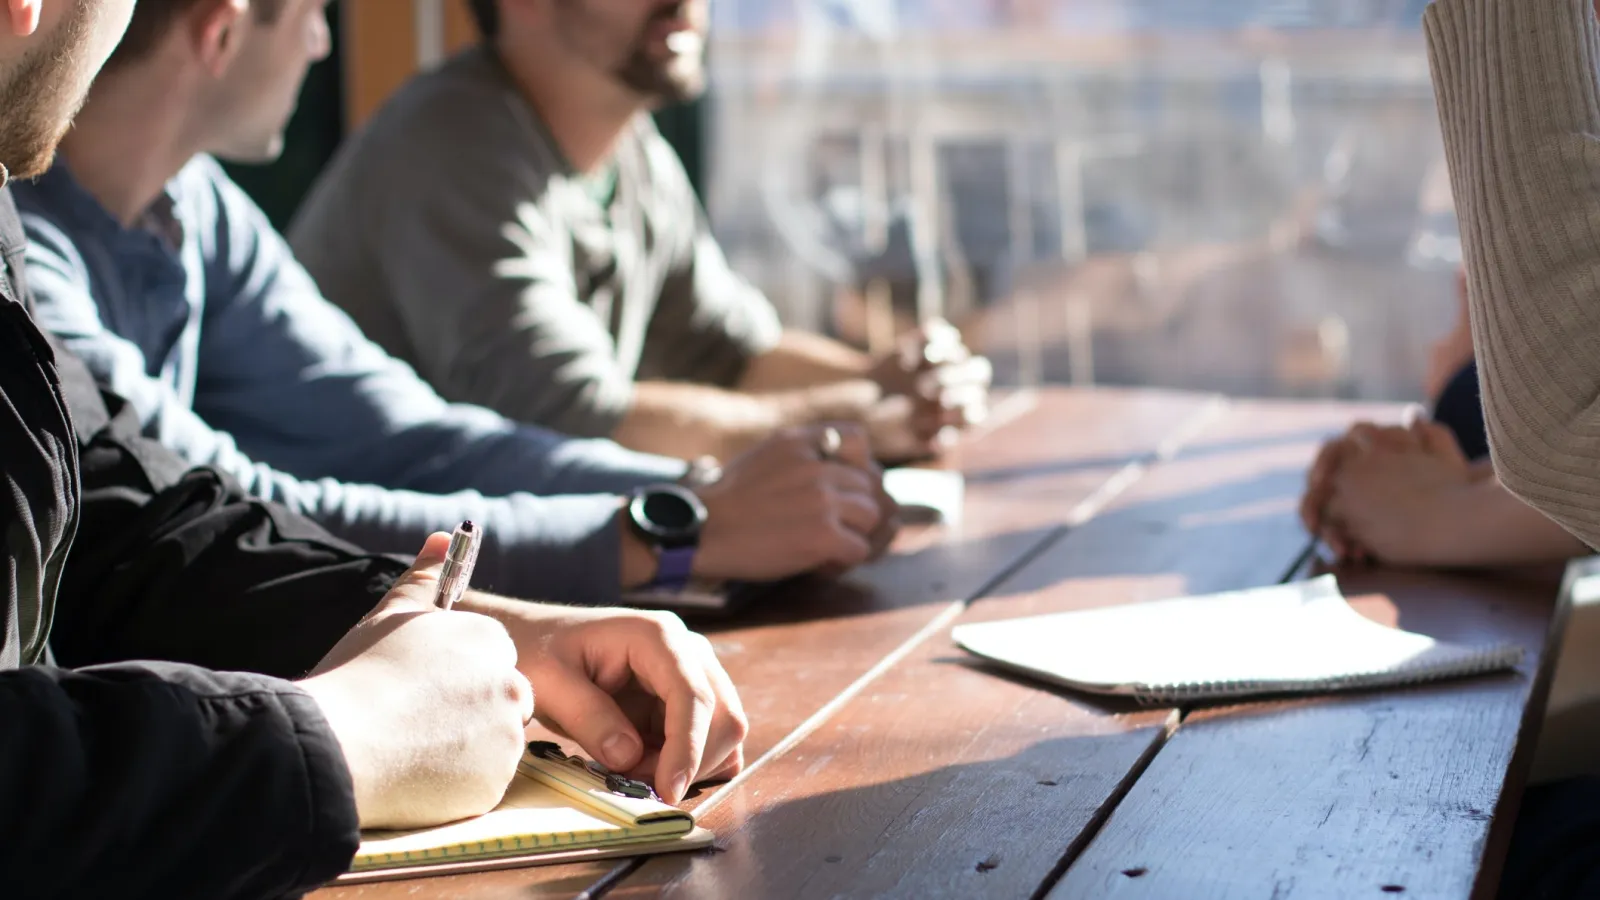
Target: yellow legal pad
552, 812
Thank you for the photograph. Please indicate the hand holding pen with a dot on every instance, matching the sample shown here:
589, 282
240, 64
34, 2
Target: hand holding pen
671, 719
428, 706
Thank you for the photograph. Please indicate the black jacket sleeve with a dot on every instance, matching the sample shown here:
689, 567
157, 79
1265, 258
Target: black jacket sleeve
179, 564
162, 780
152, 780
155, 779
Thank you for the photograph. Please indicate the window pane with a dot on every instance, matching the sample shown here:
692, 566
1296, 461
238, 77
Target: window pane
1246, 196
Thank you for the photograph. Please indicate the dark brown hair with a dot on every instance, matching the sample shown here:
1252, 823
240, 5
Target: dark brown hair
487, 14
152, 18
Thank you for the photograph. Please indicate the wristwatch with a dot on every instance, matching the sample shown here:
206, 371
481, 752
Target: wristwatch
669, 517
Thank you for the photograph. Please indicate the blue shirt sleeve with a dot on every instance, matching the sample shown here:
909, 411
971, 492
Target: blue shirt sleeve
301, 388
293, 379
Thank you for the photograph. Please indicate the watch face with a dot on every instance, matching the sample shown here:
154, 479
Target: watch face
670, 514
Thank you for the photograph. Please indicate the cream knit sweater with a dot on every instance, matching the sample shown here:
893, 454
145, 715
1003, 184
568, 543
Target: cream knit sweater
1518, 85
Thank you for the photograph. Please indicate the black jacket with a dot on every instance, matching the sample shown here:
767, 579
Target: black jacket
180, 778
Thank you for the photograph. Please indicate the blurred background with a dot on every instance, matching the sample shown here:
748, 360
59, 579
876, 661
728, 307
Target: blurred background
1237, 195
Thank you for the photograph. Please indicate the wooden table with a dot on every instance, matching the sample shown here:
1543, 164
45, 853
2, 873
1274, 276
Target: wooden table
884, 763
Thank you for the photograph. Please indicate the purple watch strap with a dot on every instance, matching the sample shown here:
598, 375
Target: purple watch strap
677, 564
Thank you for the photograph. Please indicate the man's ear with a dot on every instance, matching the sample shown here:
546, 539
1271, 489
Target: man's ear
23, 16
213, 30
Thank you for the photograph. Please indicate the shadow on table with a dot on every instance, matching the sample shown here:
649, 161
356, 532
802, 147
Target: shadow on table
985, 828
955, 570
1239, 533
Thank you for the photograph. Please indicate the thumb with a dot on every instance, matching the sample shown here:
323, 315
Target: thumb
574, 705
414, 590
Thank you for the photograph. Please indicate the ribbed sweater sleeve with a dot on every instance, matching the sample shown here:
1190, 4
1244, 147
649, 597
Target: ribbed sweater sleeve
1518, 86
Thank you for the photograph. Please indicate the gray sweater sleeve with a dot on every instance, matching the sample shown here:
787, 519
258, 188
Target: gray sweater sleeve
1519, 103
709, 322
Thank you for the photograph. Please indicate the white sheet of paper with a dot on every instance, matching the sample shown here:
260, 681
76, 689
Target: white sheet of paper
928, 494
1292, 637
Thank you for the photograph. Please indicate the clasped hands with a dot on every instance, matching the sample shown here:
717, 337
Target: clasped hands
933, 386
1385, 493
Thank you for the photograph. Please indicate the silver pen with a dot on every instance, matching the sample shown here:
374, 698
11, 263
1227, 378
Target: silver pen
458, 563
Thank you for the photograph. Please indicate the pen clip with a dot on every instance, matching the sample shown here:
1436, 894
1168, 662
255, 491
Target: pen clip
620, 785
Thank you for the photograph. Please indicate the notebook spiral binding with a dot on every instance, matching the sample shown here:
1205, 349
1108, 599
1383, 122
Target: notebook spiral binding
1488, 659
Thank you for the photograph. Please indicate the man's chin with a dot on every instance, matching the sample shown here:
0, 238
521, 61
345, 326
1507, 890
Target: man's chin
664, 82
672, 91
30, 167
33, 159
253, 153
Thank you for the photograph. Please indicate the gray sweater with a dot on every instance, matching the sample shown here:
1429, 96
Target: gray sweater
1519, 101
506, 278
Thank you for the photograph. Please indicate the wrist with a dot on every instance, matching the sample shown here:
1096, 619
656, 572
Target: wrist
342, 712
498, 608
638, 559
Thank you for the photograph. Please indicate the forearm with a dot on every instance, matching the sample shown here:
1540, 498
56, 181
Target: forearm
688, 420
1519, 106
1486, 526
802, 360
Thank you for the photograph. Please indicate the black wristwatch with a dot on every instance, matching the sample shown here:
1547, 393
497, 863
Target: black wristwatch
669, 517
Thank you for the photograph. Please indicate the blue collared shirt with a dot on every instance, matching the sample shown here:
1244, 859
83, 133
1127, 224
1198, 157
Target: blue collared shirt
201, 317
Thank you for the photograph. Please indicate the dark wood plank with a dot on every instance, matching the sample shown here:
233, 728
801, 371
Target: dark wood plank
1405, 793
791, 658
943, 780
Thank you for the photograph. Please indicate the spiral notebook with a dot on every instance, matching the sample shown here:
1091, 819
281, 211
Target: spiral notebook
557, 809
1291, 638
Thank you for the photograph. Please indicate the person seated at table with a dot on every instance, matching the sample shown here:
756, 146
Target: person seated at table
168, 281
203, 771
548, 258
1426, 494
1516, 82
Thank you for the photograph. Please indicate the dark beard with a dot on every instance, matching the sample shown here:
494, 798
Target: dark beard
35, 100
663, 83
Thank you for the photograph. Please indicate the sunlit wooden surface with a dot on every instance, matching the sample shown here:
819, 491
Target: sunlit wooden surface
883, 763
